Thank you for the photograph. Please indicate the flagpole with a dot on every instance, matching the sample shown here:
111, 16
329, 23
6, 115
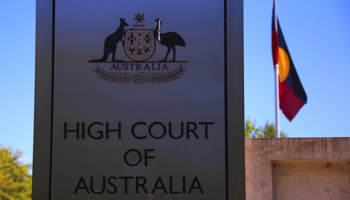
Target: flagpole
277, 81
277, 101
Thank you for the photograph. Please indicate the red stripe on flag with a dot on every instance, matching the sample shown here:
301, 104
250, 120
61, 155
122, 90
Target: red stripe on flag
290, 104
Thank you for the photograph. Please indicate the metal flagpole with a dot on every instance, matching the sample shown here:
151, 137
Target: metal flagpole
277, 102
277, 81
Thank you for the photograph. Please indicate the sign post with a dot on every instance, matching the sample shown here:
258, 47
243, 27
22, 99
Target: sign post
139, 100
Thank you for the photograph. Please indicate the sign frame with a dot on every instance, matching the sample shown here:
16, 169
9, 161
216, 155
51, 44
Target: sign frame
44, 100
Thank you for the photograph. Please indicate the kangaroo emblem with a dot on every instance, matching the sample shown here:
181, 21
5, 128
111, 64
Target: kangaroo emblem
110, 45
139, 45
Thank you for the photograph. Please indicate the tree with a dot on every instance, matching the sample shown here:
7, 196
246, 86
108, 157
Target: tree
268, 131
15, 180
250, 129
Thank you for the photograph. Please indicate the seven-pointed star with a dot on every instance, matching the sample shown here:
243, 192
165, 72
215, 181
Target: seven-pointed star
139, 17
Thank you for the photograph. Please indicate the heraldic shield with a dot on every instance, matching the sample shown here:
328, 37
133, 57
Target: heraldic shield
139, 44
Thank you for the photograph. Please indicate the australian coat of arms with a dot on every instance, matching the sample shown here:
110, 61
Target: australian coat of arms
139, 46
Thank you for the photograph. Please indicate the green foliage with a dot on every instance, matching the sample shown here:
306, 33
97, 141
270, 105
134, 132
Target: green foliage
268, 131
250, 129
15, 180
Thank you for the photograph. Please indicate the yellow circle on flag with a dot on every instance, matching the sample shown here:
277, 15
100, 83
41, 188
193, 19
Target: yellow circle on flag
283, 64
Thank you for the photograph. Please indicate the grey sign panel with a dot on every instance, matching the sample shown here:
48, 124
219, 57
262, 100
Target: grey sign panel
139, 100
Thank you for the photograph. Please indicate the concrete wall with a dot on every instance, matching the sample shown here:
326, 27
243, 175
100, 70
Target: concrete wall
297, 168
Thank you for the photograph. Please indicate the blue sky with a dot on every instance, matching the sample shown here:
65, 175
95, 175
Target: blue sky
317, 35
316, 32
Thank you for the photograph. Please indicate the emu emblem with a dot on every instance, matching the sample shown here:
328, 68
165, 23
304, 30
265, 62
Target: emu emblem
139, 44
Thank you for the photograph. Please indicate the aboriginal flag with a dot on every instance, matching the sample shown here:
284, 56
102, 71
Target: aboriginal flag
291, 93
